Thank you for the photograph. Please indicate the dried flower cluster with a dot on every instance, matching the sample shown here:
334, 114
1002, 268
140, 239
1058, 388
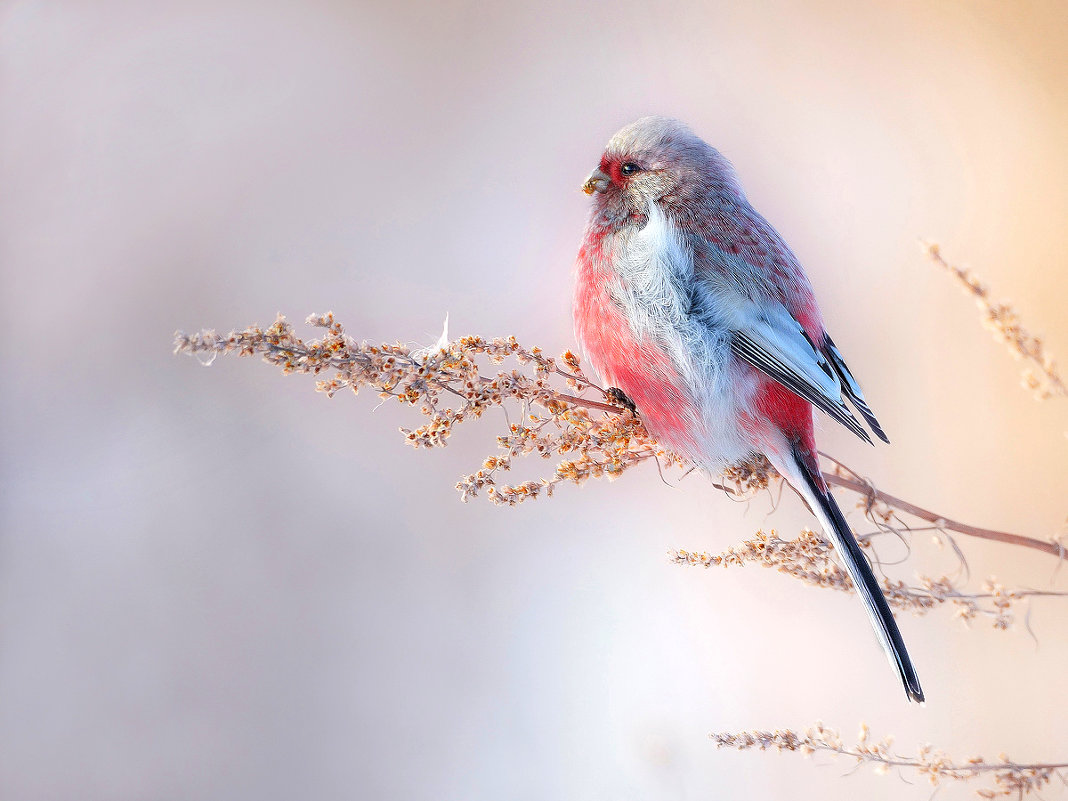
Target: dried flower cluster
746, 479
594, 447
811, 560
448, 386
1008, 778
1041, 376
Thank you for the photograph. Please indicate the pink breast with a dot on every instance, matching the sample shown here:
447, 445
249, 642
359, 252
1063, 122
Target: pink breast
641, 368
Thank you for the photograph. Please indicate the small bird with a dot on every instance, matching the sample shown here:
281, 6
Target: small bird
698, 314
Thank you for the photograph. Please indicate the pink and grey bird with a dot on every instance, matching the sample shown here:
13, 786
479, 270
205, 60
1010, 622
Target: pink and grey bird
691, 305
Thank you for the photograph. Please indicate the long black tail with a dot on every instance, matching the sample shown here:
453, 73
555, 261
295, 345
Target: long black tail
864, 580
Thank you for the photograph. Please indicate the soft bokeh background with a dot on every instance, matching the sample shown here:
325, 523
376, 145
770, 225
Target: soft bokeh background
215, 583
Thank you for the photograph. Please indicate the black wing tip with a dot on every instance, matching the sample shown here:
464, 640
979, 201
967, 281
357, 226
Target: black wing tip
842, 414
915, 693
873, 424
868, 415
742, 346
850, 388
864, 435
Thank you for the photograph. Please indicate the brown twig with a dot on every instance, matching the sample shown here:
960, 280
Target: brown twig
588, 403
865, 488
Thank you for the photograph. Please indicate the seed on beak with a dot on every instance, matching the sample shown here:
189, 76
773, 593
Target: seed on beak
597, 182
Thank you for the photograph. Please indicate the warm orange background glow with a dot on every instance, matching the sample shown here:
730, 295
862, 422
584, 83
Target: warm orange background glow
218, 584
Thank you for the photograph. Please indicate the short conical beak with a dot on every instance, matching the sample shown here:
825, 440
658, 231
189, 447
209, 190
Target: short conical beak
597, 182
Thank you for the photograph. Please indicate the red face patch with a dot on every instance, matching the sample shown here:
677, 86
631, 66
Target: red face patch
610, 167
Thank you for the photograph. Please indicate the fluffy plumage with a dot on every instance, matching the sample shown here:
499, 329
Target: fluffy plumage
688, 301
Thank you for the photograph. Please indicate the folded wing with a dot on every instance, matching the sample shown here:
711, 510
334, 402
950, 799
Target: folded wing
771, 340
766, 335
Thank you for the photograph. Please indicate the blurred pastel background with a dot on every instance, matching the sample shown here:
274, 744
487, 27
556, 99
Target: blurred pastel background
217, 584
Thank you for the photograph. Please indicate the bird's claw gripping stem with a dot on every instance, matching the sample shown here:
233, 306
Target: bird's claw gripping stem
619, 398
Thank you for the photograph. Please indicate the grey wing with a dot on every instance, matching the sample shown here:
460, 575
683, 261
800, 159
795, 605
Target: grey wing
770, 339
764, 334
731, 295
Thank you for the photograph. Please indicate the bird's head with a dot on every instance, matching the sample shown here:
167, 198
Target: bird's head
657, 159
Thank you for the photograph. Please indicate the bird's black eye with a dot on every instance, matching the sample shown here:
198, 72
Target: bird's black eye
629, 168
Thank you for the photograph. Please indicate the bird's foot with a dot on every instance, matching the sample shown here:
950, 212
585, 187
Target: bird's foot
619, 398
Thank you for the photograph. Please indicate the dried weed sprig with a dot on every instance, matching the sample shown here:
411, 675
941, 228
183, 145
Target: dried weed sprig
1006, 777
449, 388
810, 559
573, 419
1041, 376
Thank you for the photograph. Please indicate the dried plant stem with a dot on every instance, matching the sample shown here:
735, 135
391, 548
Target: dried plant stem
1009, 778
587, 403
809, 559
607, 445
1041, 376
865, 488
855, 483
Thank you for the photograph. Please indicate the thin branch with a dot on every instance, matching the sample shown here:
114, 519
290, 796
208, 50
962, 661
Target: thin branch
866, 489
863, 488
587, 402
1008, 778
